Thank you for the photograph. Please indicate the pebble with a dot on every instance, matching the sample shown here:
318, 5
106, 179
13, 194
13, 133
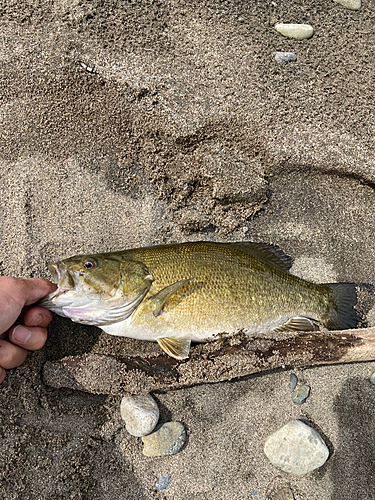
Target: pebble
285, 57
296, 31
296, 448
350, 4
372, 378
141, 414
162, 482
168, 439
292, 382
300, 394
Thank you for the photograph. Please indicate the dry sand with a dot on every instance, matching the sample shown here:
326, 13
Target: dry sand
188, 129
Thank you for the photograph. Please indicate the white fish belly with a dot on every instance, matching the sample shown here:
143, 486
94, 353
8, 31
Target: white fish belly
151, 333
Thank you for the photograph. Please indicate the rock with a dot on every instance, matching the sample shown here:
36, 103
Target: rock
162, 482
285, 57
254, 494
292, 382
350, 4
296, 31
141, 414
372, 378
296, 448
300, 394
168, 439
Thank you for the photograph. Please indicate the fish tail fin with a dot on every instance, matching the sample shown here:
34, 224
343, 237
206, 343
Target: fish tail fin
342, 315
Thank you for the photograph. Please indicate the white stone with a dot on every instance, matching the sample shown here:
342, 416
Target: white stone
350, 4
296, 31
285, 57
140, 413
296, 448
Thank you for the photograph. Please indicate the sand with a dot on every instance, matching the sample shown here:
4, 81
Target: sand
187, 129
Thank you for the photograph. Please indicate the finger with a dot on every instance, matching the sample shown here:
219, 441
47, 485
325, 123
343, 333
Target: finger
2, 374
37, 316
24, 291
15, 293
31, 338
36, 288
11, 355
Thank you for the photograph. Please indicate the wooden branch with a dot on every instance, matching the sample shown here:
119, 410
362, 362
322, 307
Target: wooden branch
211, 362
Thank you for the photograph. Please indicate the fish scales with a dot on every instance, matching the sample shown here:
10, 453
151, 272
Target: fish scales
176, 294
230, 290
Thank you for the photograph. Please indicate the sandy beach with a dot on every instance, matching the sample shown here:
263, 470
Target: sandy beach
126, 124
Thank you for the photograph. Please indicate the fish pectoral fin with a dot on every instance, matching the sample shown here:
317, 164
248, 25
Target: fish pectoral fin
177, 348
298, 323
160, 298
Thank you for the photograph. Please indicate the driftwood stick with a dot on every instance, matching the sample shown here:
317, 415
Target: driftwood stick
211, 362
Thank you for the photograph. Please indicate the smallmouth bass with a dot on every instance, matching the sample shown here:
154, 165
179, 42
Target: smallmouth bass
194, 292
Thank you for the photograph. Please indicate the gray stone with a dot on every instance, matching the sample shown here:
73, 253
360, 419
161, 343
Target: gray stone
162, 483
372, 378
296, 31
292, 382
140, 413
168, 439
296, 448
350, 4
300, 394
285, 57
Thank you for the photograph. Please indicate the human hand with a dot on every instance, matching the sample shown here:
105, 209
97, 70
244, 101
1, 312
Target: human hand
22, 328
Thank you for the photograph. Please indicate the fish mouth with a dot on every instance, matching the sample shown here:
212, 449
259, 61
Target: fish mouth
61, 276
56, 272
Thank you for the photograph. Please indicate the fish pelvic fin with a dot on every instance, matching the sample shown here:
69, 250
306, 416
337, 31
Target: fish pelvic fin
177, 348
343, 315
161, 297
299, 323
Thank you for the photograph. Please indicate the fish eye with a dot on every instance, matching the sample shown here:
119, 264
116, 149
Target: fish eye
89, 263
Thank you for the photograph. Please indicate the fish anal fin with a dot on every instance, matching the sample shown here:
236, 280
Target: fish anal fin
177, 348
161, 297
299, 323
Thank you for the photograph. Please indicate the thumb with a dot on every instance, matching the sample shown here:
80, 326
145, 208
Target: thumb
35, 289
15, 293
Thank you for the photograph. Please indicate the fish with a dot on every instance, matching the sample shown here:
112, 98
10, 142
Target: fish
177, 294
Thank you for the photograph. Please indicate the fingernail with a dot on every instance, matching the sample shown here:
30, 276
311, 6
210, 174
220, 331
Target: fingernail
37, 320
21, 334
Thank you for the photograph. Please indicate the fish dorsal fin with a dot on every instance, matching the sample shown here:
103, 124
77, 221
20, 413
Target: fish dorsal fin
161, 297
268, 253
299, 323
177, 348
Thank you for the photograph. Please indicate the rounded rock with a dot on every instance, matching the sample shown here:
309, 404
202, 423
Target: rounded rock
350, 4
296, 31
372, 378
285, 57
162, 483
300, 394
140, 413
168, 439
296, 448
293, 380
